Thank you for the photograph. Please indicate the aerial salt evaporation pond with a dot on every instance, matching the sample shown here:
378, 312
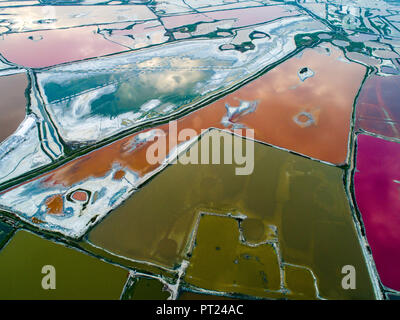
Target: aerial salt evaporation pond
297, 204
123, 164
316, 81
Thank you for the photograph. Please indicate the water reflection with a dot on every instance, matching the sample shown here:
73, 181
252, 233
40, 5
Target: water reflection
283, 108
290, 230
